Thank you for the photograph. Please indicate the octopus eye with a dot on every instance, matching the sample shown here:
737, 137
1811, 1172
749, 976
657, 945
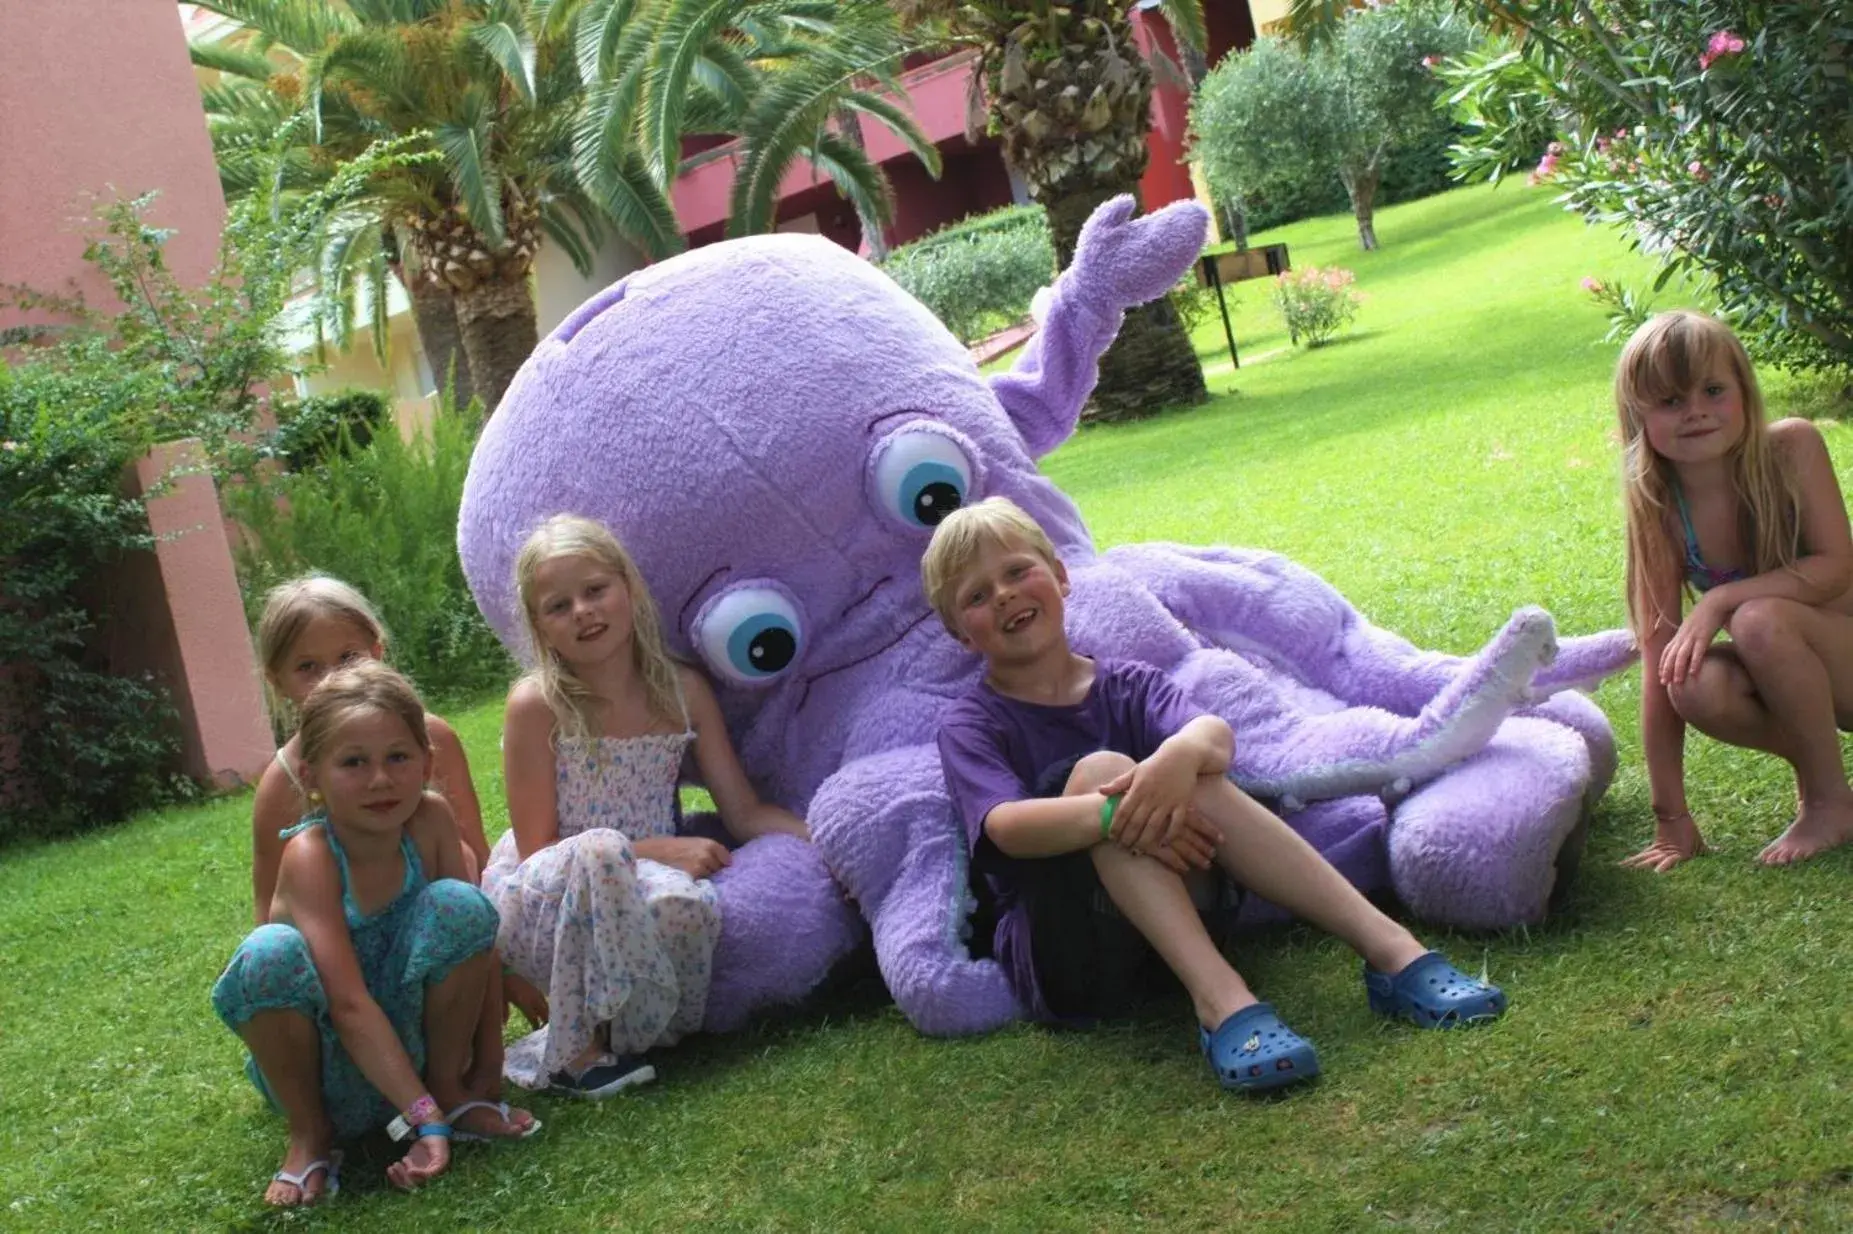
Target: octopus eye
920, 477
750, 634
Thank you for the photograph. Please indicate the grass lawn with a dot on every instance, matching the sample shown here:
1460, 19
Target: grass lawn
1678, 1048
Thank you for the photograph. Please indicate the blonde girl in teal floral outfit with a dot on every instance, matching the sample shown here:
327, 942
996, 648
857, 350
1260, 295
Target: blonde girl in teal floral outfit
359, 996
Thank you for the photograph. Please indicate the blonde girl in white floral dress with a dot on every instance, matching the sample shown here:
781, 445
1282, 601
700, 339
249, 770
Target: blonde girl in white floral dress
603, 906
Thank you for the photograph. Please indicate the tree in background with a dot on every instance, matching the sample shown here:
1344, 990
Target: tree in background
494, 91
1341, 105
1070, 99
1717, 135
552, 120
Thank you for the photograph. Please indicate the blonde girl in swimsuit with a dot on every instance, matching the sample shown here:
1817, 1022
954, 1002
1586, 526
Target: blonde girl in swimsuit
1746, 520
604, 906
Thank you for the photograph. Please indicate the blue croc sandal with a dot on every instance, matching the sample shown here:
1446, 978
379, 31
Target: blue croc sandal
1253, 1050
1432, 993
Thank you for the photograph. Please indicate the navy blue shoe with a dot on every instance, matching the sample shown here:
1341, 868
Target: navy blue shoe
605, 1077
1254, 1051
1432, 993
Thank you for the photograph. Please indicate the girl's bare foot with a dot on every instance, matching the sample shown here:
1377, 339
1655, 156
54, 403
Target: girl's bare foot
307, 1149
487, 1121
1817, 828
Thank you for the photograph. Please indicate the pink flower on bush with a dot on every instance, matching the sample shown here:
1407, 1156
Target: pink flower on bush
1699, 171
1430, 61
1547, 167
1722, 44
1774, 201
1593, 286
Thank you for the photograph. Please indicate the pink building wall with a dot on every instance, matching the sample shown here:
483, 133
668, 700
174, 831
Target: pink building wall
97, 97
98, 100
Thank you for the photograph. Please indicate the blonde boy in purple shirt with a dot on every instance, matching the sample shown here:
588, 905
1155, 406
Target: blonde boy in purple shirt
1082, 780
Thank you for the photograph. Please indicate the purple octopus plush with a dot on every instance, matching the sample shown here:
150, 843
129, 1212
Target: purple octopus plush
774, 428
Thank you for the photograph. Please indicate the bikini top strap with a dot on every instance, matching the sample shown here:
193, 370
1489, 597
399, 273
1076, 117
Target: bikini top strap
414, 867
290, 772
1685, 521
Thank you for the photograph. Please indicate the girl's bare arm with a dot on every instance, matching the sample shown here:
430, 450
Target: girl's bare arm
276, 805
528, 770
450, 772
741, 809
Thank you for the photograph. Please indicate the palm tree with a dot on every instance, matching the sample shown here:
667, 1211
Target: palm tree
494, 86
1070, 98
789, 77
359, 245
546, 118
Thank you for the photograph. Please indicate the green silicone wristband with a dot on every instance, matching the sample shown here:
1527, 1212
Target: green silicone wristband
1107, 806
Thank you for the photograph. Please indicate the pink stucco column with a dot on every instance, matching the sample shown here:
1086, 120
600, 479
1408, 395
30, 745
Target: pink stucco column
202, 651
98, 100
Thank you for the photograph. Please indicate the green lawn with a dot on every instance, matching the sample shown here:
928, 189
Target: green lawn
1678, 1048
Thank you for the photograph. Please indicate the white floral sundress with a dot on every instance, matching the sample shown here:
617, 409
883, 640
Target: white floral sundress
610, 937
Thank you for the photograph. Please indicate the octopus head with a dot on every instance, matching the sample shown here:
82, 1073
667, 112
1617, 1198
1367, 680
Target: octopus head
772, 428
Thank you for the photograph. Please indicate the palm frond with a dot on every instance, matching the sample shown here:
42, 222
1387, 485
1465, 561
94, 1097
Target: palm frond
465, 144
510, 50
1313, 22
302, 26
857, 177
606, 39
682, 33
1185, 18
901, 122
239, 62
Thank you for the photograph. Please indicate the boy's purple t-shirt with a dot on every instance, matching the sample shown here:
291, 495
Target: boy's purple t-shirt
996, 749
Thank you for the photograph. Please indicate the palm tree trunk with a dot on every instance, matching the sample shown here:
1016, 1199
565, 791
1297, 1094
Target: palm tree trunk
496, 317
1151, 365
438, 333
1072, 98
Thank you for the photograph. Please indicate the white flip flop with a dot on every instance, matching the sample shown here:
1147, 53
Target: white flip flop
330, 1166
473, 1137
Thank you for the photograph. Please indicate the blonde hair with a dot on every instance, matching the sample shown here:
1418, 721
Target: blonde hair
288, 610
1667, 357
347, 692
966, 532
568, 535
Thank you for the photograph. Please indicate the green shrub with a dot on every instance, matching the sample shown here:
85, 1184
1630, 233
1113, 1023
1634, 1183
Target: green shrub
91, 746
979, 275
307, 432
1315, 303
1276, 125
1712, 133
383, 518
79, 401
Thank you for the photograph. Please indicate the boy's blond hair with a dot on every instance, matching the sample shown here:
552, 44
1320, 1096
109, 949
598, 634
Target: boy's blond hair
288, 610
965, 533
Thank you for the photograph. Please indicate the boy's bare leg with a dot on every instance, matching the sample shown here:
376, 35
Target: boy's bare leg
1269, 858
1156, 900
288, 1050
